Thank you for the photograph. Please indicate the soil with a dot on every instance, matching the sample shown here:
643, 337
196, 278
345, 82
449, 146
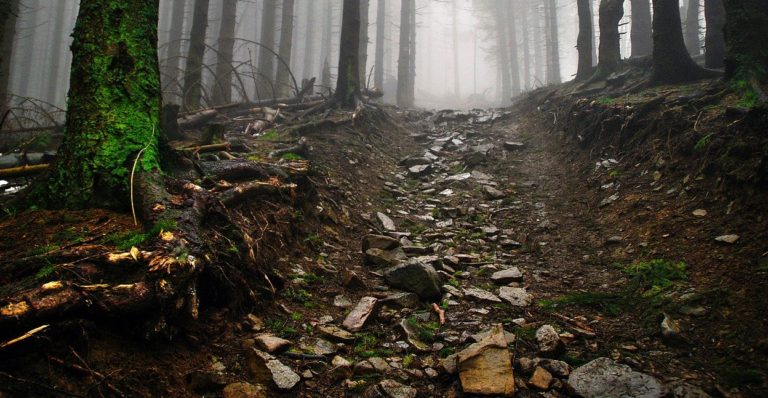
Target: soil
575, 251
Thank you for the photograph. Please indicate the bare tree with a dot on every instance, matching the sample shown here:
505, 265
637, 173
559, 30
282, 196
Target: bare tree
514, 60
266, 67
641, 34
584, 40
194, 69
609, 58
363, 58
348, 81
671, 61
326, 44
173, 59
525, 26
222, 90
378, 75
8, 16
309, 41
553, 45
455, 34
286, 42
404, 60
692, 41
502, 48
714, 41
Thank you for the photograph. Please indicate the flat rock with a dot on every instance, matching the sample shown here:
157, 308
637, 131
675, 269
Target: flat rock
493, 193
728, 239
557, 368
549, 341
316, 346
605, 378
420, 170
485, 368
356, 319
335, 333
508, 275
386, 222
401, 300
244, 390
266, 369
481, 295
412, 335
513, 145
384, 258
516, 296
414, 161
383, 242
541, 379
270, 343
416, 277
393, 389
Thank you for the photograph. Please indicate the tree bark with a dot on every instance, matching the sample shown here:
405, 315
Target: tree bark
553, 45
286, 42
714, 40
514, 60
8, 17
378, 75
539, 56
692, 42
671, 61
404, 60
308, 70
609, 57
412, 56
172, 65
222, 89
52, 83
194, 70
746, 35
641, 34
114, 105
348, 81
266, 66
501, 51
526, 47
455, 33
27, 45
584, 40
363, 57
325, 72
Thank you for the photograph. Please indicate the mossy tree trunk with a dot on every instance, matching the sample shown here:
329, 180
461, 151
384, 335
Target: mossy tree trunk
746, 35
222, 90
114, 105
348, 82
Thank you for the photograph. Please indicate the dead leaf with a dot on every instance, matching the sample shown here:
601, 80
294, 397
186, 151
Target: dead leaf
167, 236
135, 253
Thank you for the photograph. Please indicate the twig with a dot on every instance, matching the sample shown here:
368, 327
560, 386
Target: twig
440, 313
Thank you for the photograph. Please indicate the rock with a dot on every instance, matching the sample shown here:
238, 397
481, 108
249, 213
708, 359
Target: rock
267, 369
508, 275
480, 294
513, 145
256, 323
526, 365
316, 346
412, 335
382, 242
335, 333
510, 244
342, 369
351, 280
557, 368
420, 170
508, 337
450, 364
416, 277
541, 379
418, 250
341, 301
384, 258
356, 319
614, 240
607, 201
728, 239
492, 193
379, 364
700, 213
401, 300
474, 159
414, 161
393, 389
203, 380
516, 296
549, 341
605, 378
386, 222
681, 389
244, 390
671, 331
485, 368
270, 343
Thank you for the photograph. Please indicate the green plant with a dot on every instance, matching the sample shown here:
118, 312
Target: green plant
446, 352
300, 296
703, 142
610, 303
425, 330
655, 275
614, 173
126, 240
270, 135
408, 360
367, 347
45, 271
296, 316
291, 156
313, 239
280, 327
606, 101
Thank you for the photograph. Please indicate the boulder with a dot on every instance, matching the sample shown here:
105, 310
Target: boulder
266, 369
549, 341
401, 300
605, 378
516, 296
382, 242
416, 277
356, 319
493, 193
386, 222
485, 368
507, 276
270, 343
384, 258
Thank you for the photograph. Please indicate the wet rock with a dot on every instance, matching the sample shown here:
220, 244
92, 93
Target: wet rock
382, 242
401, 300
493, 193
605, 378
359, 315
384, 258
541, 379
513, 145
270, 343
549, 341
266, 369
244, 390
517, 296
416, 277
481, 295
485, 367
728, 239
386, 222
335, 333
316, 346
508, 275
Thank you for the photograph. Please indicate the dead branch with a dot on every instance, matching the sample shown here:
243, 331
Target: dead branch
248, 190
23, 171
301, 149
197, 119
440, 313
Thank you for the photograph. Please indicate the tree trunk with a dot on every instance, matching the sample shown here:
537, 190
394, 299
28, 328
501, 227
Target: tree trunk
194, 70
609, 58
714, 41
378, 75
308, 70
222, 89
172, 65
553, 45
671, 61
455, 33
641, 34
286, 41
746, 35
53, 80
501, 51
404, 60
114, 105
27, 46
514, 60
584, 40
539, 58
594, 34
363, 57
692, 42
266, 68
348, 81
326, 44
412, 56
526, 47
8, 17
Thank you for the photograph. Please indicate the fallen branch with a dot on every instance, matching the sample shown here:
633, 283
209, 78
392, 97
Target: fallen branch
24, 336
23, 171
248, 190
197, 119
300, 149
440, 313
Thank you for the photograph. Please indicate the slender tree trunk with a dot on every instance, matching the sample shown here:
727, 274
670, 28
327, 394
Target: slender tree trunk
671, 61
27, 47
594, 34
327, 31
308, 70
609, 58
455, 33
553, 45
692, 42
363, 58
746, 35
348, 81
266, 67
114, 105
53, 81
584, 40
286, 41
378, 75
641, 34
170, 72
412, 56
501, 51
538, 45
404, 61
714, 41
194, 71
526, 26
222, 89
514, 60
8, 17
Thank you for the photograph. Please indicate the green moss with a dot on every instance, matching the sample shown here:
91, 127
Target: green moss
609, 303
290, 156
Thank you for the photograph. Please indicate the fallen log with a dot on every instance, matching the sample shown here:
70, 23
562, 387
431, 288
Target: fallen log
197, 119
300, 149
239, 170
23, 171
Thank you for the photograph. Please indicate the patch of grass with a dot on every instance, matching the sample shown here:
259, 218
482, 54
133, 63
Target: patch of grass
607, 101
367, 346
290, 156
296, 316
305, 278
408, 360
45, 271
525, 333
609, 303
313, 239
703, 142
446, 352
300, 296
425, 330
654, 276
414, 228
40, 250
281, 328
614, 173
270, 135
